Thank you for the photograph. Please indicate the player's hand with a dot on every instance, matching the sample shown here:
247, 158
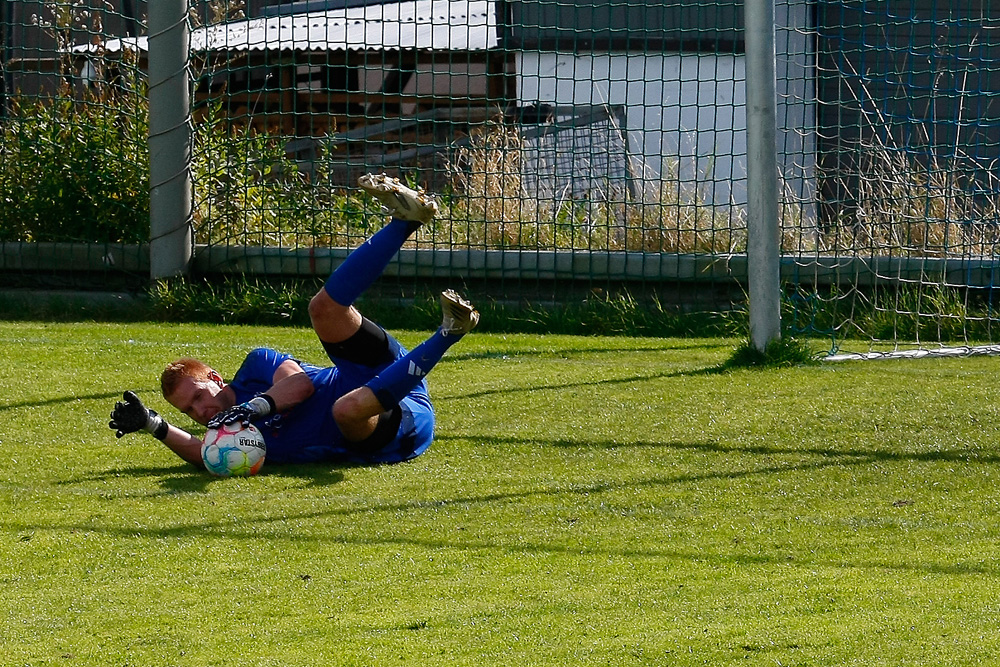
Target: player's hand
259, 406
130, 415
238, 413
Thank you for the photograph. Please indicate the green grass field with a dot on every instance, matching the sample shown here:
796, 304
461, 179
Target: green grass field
589, 501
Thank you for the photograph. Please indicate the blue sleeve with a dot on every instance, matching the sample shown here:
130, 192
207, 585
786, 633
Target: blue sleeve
256, 375
306, 432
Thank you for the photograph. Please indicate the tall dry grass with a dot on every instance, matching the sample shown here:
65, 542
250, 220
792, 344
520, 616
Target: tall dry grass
910, 207
900, 206
491, 206
911, 203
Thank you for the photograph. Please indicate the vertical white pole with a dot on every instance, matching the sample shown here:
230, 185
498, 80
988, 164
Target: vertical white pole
171, 236
762, 175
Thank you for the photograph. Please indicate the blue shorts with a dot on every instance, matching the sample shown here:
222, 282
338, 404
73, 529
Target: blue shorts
416, 426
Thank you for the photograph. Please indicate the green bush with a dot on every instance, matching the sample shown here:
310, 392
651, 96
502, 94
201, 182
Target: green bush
75, 170
248, 191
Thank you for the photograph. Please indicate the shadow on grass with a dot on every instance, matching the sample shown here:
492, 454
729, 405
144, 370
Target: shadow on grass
109, 396
456, 356
253, 525
185, 478
839, 455
644, 377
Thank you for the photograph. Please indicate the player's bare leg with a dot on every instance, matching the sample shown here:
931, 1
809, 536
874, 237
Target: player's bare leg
356, 411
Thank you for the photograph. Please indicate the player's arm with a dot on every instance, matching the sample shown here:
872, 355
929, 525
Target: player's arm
184, 445
131, 416
290, 386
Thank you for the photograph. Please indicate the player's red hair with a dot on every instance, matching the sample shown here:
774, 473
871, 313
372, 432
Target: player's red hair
180, 369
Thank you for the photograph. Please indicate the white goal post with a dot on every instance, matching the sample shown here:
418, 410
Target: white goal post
763, 282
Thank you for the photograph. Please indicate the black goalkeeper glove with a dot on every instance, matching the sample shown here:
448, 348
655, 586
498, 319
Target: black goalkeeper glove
260, 406
131, 415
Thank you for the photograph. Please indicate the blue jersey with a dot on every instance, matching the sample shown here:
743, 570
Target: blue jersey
307, 432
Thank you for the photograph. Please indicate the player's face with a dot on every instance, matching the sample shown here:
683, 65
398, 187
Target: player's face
198, 399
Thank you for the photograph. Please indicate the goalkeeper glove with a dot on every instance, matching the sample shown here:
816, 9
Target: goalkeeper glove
261, 406
131, 415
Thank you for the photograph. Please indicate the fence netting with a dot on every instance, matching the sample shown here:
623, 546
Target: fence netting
74, 170
892, 224
575, 148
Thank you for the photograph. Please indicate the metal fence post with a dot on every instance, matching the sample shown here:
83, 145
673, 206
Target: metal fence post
762, 175
171, 236
7, 26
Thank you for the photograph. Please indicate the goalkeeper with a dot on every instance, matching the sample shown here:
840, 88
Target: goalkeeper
370, 406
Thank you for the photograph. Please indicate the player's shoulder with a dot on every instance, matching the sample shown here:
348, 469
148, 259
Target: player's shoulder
265, 353
264, 358
264, 361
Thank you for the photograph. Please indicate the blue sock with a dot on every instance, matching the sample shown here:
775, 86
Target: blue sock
403, 375
367, 262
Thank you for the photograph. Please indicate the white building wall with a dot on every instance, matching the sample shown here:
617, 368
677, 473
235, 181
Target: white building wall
685, 113
688, 109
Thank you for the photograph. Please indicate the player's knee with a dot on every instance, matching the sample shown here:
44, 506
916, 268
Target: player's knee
348, 410
323, 308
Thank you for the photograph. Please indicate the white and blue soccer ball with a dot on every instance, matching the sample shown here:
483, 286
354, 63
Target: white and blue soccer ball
233, 449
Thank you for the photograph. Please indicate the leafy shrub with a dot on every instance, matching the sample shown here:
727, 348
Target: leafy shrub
248, 191
75, 170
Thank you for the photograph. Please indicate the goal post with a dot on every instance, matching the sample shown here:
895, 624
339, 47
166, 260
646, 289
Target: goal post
763, 279
170, 199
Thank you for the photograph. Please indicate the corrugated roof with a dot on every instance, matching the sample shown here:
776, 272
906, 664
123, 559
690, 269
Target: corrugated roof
440, 25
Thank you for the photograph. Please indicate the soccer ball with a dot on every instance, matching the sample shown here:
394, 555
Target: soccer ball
233, 449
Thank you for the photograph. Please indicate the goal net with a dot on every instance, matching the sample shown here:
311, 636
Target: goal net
894, 253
